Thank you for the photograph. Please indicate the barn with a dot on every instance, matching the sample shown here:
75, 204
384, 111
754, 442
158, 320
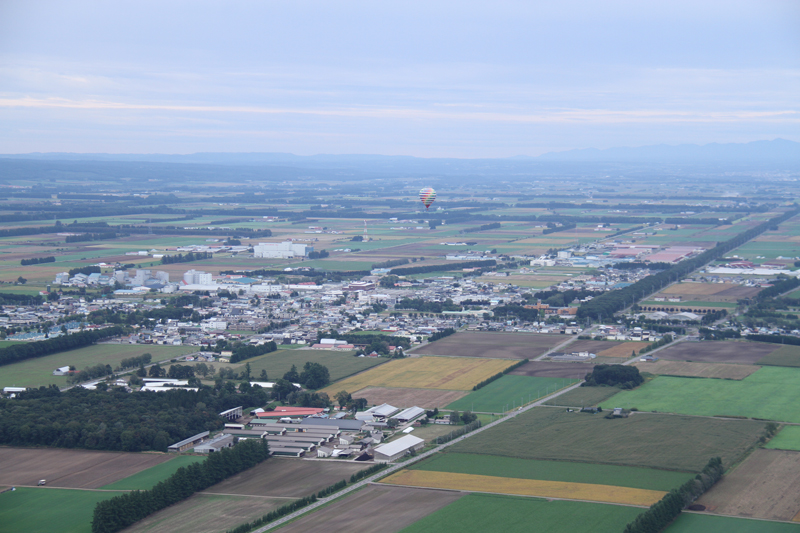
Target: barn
396, 449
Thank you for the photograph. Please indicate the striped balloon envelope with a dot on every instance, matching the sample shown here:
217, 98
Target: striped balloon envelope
427, 196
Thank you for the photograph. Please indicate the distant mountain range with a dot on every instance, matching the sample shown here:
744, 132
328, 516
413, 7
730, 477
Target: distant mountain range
772, 154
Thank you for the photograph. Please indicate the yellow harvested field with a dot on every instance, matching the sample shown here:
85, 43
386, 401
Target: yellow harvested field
699, 370
623, 350
448, 373
525, 487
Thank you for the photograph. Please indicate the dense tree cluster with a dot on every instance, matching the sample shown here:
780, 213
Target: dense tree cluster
121, 511
85, 270
136, 361
30, 350
91, 372
427, 306
90, 237
441, 334
608, 303
8, 298
664, 511
390, 263
484, 227
246, 351
626, 377
552, 228
321, 254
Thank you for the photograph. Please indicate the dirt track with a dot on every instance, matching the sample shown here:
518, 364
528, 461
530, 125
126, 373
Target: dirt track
493, 345
81, 469
377, 509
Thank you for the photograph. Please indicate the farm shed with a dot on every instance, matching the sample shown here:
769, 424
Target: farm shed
232, 414
191, 442
396, 449
344, 425
287, 452
409, 414
284, 412
380, 412
215, 444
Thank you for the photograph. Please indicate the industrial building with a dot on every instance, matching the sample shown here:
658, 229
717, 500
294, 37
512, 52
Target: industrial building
191, 442
281, 250
216, 444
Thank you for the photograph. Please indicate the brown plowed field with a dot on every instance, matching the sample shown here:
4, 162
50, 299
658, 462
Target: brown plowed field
624, 349
718, 292
207, 513
377, 509
495, 345
700, 370
765, 485
287, 477
718, 351
594, 347
428, 398
80, 469
553, 370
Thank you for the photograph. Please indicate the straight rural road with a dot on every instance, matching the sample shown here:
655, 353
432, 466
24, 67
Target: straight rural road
406, 463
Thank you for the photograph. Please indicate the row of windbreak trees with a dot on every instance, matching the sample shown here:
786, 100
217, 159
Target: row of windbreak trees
121, 511
30, 350
608, 303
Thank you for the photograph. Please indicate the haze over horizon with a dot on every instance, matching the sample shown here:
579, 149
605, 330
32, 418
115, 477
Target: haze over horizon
464, 80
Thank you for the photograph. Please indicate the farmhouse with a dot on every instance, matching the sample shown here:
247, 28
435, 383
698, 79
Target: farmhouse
191, 442
396, 449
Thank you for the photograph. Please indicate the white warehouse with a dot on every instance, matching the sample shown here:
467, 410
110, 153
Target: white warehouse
281, 250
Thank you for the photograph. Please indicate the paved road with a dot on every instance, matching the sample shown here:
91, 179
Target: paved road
406, 463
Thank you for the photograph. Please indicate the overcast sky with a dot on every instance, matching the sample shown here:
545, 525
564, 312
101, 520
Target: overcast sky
432, 79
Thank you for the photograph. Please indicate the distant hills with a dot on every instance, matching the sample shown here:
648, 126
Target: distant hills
775, 154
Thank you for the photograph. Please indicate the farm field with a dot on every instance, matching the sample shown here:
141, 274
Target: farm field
551, 369
742, 352
39, 371
698, 370
725, 292
375, 508
493, 345
769, 394
80, 469
147, 479
785, 355
688, 303
669, 442
524, 487
479, 513
283, 477
765, 485
788, 438
340, 364
703, 523
624, 350
428, 398
510, 467
509, 392
49, 510
450, 373
206, 513
583, 397
430, 432
585, 345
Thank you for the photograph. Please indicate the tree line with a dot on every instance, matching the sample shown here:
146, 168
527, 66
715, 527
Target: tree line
610, 302
246, 351
443, 268
90, 237
188, 258
38, 260
121, 511
484, 227
625, 377
552, 228
30, 350
441, 334
667, 509
499, 374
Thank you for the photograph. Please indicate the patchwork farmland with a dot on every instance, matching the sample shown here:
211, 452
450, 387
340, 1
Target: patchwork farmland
697, 370
740, 352
427, 398
493, 345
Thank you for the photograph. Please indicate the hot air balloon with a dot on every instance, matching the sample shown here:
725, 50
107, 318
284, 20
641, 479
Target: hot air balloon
427, 196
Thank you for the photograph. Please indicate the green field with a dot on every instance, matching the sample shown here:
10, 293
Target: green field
784, 356
488, 465
703, 523
49, 510
340, 364
771, 393
669, 442
584, 396
39, 371
508, 392
147, 479
788, 438
484, 512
